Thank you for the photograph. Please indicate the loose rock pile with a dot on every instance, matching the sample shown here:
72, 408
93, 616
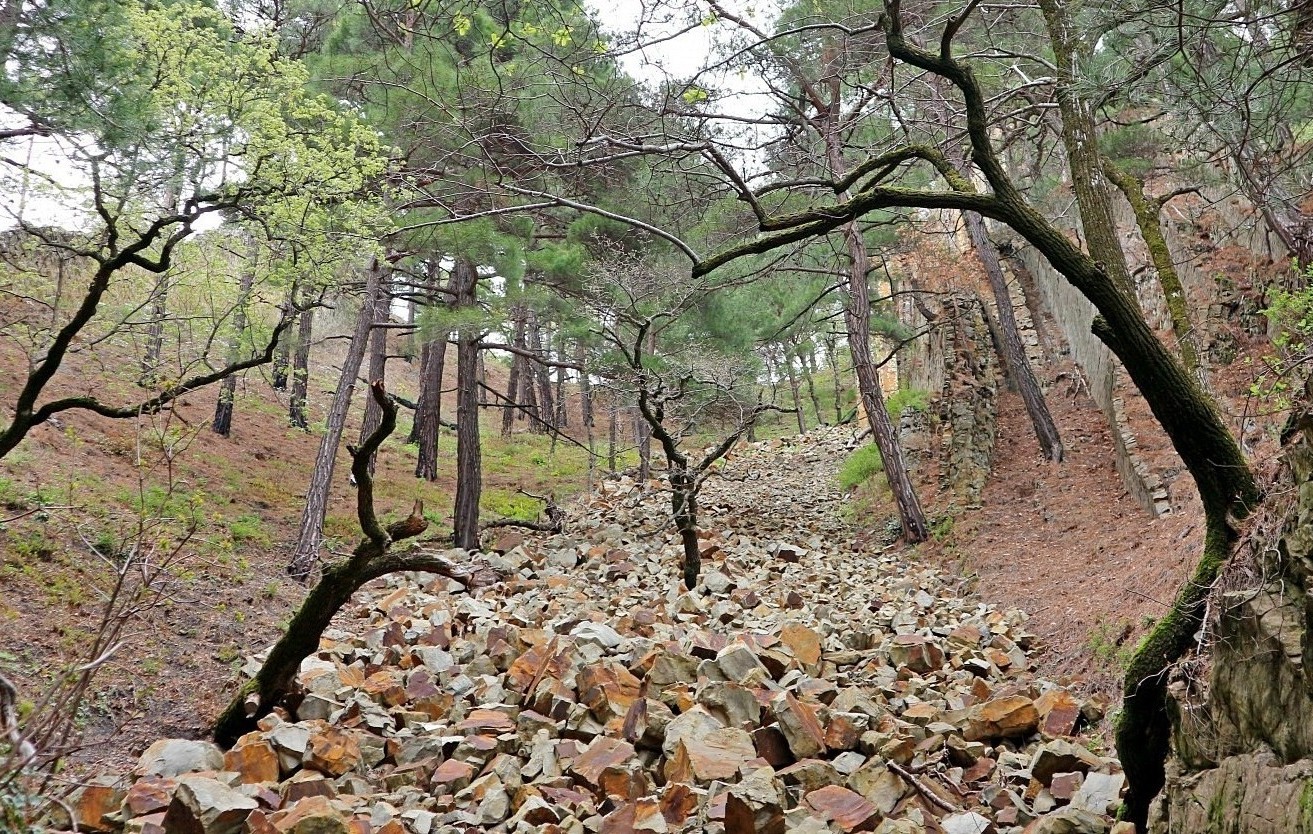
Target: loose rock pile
803, 686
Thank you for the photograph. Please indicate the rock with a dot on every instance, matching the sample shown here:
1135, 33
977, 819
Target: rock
1058, 713
315, 815
916, 653
332, 751
1010, 717
206, 806
253, 758
1099, 792
967, 822
1060, 756
176, 756
718, 755
846, 809
598, 633
1070, 821
91, 803
799, 724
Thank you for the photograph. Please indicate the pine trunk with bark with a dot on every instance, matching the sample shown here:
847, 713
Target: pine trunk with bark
298, 395
1148, 217
223, 409
283, 357
517, 370
469, 467
378, 358
794, 388
428, 409
159, 311
310, 536
1013, 351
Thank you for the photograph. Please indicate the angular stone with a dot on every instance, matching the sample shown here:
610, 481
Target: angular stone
452, 776
1059, 756
175, 756
253, 758
607, 689
804, 644
1069, 821
967, 822
149, 795
333, 751
207, 806
879, 785
314, 815
92, 802
918, 654
602, 755
1099, 792
1058, 713
1010, 717
718, 755
799, 724
846, 809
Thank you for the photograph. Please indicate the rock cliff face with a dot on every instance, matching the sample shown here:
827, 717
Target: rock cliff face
1244, 748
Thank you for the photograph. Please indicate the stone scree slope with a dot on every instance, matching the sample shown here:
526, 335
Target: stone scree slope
809, 684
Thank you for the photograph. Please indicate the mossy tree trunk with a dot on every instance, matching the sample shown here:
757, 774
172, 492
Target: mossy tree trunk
372, 558
1148, 214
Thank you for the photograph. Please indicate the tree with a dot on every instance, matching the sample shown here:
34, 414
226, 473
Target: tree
309, 540
373, 557
166, 81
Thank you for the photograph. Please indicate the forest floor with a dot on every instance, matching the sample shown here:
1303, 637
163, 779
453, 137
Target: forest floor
1065, 543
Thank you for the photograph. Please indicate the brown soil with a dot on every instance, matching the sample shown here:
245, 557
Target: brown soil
1068, 544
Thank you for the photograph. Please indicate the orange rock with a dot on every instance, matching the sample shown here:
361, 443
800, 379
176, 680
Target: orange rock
149, 795
1058, 713
486, 722
314, 815
603, 754
717, 755
798, 722
678, 802
332, 751
253, 758
804, 644
607, 689
452, 776
845, 808
93, 802
1013, 716
842, 734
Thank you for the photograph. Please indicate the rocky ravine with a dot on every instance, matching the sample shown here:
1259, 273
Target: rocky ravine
807, 685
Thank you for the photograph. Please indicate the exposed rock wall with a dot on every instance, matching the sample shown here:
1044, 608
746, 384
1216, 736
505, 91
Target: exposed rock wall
1072, 314
958, 364
1244, 750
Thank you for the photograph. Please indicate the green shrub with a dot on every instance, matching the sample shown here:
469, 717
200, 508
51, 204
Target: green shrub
860, 466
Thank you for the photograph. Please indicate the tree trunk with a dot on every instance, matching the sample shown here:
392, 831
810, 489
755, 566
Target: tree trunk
469, 467
1148, 218
644, 438
372, 558
795, 389
378, 357
832, 359
428, 411
542, 376
310, 536
159, 310
808, 358
585, 385
283, 358
1014, 352
223, 410
300, 387
518, 363
612, 431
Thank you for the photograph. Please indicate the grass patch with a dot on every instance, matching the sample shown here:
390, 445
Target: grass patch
503, 503
860, 467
